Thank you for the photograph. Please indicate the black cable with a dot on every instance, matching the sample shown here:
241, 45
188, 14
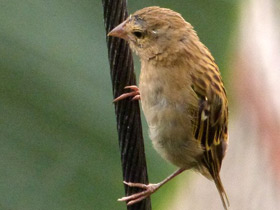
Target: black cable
127, 112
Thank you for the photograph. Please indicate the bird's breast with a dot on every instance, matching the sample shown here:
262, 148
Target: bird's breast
166, 104
166, 115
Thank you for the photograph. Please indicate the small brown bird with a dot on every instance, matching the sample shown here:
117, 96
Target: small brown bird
182, 94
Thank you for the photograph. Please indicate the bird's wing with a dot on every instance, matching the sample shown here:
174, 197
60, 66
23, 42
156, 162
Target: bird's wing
211, 127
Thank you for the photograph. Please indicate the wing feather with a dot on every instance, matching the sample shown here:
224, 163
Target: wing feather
210, 129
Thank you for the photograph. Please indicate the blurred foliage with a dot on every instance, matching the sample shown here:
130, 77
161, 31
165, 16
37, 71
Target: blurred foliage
59, 147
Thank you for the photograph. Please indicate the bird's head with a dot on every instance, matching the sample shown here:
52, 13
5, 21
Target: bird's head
153, 32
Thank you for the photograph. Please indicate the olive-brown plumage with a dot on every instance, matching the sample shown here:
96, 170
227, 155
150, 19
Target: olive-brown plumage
182, 94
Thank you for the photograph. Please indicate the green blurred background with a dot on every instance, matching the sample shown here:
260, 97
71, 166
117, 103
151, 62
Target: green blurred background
59, 147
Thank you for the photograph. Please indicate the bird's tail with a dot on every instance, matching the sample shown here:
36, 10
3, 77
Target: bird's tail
222, 191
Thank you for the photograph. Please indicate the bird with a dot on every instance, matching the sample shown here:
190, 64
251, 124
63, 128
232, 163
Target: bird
182, 95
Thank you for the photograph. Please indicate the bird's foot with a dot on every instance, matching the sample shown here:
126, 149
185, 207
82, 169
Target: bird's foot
135, 198
135, 93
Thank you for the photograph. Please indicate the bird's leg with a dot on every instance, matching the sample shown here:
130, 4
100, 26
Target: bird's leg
148, 189
135, 93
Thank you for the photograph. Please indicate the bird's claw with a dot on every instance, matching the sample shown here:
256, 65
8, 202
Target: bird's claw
135, 93
135, 198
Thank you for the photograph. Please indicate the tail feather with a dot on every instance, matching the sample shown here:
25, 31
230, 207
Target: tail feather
221, 191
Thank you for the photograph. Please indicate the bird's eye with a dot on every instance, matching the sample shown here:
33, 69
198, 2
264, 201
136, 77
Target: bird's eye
138, 34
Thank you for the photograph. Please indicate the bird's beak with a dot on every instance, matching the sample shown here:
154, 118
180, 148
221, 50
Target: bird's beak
119, 31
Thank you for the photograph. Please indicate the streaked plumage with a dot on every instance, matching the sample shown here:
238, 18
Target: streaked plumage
182, 93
